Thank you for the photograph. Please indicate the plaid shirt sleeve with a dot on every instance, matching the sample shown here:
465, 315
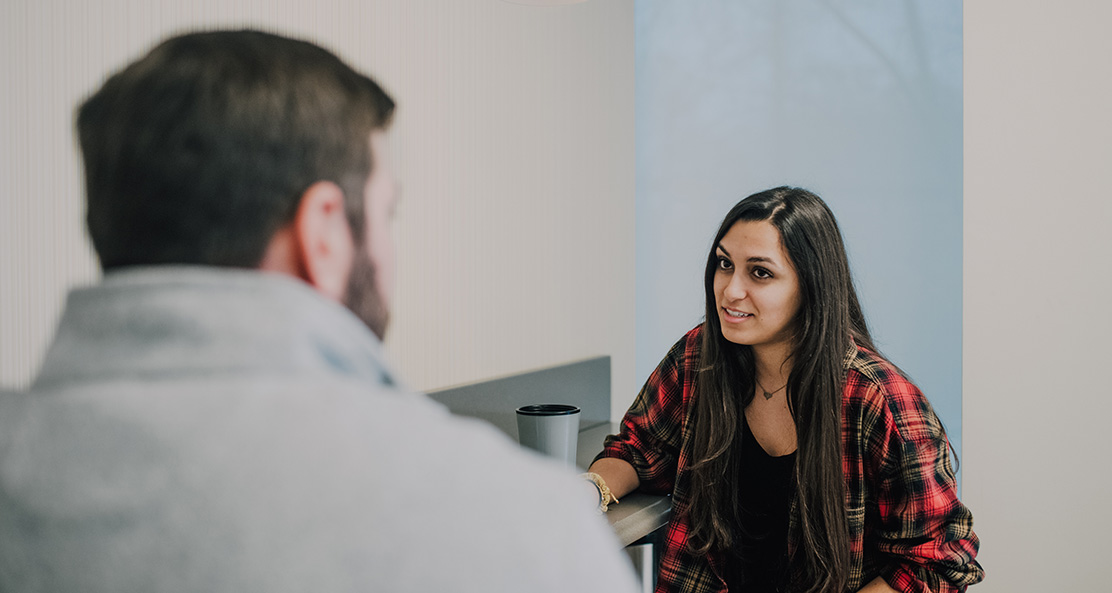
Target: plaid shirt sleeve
925, 534
650, 437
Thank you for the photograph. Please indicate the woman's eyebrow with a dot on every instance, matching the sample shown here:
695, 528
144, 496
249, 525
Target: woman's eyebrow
756, 259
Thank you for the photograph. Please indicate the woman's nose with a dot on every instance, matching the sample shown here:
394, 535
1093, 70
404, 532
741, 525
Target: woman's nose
736, 290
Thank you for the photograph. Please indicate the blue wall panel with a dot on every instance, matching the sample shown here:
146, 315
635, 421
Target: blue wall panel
859, 101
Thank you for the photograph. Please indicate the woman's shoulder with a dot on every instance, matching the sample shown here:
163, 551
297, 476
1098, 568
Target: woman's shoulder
870, 367
686, 349
878, 387
693, 334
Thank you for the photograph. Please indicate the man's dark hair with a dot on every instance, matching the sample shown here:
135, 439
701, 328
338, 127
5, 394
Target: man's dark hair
199, 152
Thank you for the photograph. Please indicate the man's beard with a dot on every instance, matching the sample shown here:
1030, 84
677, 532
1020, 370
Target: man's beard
362, 296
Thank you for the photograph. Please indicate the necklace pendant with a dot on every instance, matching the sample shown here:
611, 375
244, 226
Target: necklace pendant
767, 394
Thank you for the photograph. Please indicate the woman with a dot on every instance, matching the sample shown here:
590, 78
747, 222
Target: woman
797, 457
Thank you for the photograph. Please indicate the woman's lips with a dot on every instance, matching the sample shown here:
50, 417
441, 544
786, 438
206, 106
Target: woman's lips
734, 315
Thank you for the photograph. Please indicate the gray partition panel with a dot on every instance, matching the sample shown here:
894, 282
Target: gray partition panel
584, 383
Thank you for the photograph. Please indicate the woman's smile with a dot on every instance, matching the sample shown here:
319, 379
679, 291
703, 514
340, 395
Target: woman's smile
735, 316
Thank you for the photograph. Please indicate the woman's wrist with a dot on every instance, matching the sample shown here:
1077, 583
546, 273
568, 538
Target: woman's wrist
606, 497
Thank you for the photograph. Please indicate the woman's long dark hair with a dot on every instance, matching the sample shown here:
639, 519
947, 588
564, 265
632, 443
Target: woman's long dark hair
829, 315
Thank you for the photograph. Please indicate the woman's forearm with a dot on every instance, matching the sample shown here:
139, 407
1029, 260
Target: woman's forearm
618, 474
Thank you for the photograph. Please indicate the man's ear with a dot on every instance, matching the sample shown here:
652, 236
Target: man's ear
317, 247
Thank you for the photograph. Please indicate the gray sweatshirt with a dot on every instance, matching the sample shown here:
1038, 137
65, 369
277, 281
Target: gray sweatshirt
195, 429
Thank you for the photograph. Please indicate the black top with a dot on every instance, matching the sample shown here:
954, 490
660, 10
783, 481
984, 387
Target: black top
758, 562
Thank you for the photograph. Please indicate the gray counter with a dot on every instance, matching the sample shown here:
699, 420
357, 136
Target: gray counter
584, 383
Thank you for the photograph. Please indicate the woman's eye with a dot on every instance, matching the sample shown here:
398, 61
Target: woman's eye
762, 273
724, 264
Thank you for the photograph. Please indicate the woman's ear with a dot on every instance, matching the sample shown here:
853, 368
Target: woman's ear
321, 240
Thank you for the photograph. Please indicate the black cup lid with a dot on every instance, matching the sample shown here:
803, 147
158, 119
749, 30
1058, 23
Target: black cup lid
548, 410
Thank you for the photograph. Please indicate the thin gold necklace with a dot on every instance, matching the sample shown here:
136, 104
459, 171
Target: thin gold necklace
768, 394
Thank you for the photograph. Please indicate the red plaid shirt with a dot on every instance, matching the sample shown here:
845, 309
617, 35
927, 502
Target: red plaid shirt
905, 521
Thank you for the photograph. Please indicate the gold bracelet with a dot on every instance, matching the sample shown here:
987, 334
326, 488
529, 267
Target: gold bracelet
604, 492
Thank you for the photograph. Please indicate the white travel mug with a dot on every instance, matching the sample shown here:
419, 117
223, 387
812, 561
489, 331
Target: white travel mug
552, 429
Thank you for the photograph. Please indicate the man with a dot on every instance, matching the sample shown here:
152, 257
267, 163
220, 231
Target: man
209, 417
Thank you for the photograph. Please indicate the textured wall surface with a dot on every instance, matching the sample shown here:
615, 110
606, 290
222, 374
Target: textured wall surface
513, 144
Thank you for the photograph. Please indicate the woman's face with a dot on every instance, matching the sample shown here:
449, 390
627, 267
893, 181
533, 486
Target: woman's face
755, 286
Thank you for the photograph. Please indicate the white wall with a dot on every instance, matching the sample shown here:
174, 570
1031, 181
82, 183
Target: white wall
1037, 284
513, 140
